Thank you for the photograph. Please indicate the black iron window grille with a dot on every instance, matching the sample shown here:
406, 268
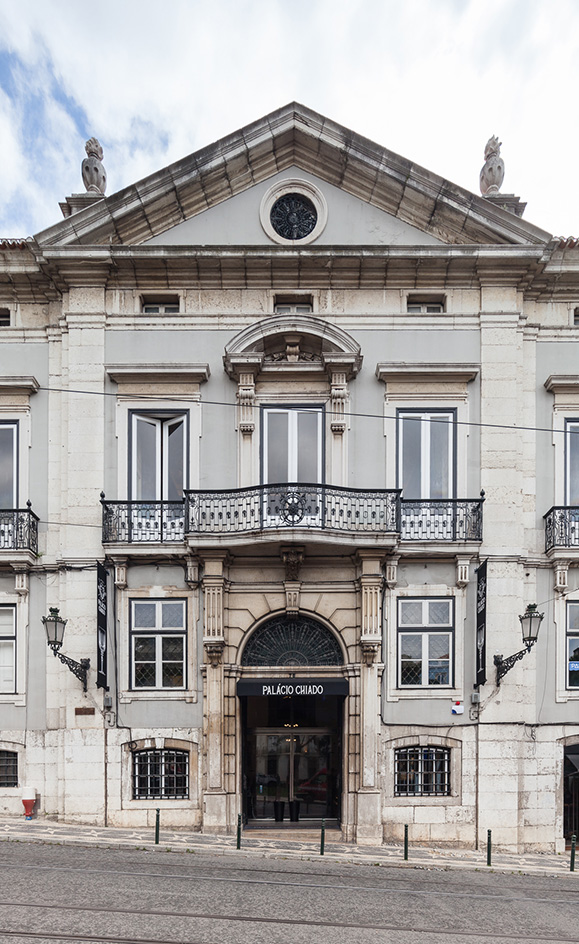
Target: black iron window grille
293, 216
161, 775
8, 769
422, 771
292, 641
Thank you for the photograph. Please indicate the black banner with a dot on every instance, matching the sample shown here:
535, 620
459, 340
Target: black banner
297, 687
481, 624
101, 627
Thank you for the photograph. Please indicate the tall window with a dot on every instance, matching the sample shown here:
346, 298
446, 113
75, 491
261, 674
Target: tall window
422, 771
8, 470
158, 644
7, 650
425, 640
8, 769
426, 453
160, 775
573, 645
572, 462
292, 445
158, 467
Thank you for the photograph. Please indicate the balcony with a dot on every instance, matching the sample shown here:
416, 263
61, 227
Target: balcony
562, 527
441, 520
19, 530
347, 515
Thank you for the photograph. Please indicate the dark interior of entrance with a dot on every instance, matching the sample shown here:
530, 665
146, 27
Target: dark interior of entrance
571, 792
292, 758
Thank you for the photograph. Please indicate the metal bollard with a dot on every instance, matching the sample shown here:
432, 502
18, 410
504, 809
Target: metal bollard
573, 843
239, 830
157, 823
489, 846
323, 837
406, 843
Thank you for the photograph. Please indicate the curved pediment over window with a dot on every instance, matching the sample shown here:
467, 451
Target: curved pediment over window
293, 342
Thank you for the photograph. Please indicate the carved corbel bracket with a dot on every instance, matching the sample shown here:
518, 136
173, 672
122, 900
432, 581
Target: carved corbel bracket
370, 649
120, 573
561, 576
246, 403
391, 572
192, 572
214, 653
21, 582
339, 399
462, 571
292, 557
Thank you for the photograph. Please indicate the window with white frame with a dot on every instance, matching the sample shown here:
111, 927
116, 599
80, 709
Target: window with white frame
292, 444
160, 775
8, 769
571, 462
425, 642
422, 771
8, 465
572, 647
157, 457
158, 644
426, 453
7, 650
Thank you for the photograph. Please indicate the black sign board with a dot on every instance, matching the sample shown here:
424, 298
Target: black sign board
481, 624
297, 687
101, 627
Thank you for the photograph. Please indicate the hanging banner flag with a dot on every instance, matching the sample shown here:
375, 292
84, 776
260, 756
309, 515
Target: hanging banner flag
481, 624
101, 627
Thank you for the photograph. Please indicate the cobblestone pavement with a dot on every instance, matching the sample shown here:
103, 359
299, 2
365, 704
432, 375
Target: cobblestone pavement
301, 844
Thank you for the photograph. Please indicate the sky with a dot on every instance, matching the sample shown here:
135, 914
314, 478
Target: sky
155, 80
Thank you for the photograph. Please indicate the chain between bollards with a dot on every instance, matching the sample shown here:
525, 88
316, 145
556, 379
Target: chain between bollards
572, 863
406, 843
157, 824
239, 830
323, 837
489, 846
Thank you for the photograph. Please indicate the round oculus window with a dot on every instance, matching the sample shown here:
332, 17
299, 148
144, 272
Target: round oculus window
293, 216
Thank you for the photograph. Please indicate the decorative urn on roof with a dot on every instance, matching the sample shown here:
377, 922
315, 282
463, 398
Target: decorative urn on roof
94, 176
493, 170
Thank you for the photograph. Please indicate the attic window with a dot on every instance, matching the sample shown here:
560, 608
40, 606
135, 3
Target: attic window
160, 304
4, 317
293, 212
290, 304
575, 317
425, 304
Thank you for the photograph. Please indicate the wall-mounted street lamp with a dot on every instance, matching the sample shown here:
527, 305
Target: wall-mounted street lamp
530, 623
54, 626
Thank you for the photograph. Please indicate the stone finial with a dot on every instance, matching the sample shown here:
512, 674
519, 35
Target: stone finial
94, 176
493, 170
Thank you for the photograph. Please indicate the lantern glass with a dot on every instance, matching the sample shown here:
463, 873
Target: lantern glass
530, 624
54, 626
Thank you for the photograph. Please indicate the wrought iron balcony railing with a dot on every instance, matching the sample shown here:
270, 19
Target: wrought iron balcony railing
562, 527
271, 507
143, 522
444, 519
18, 529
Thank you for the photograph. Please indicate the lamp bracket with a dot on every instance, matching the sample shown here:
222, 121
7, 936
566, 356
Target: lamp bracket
505, 665
78, 669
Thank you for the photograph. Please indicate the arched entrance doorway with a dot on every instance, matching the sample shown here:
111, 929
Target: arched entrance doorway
292, 723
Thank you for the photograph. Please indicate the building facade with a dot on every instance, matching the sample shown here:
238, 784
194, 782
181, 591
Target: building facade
306, 414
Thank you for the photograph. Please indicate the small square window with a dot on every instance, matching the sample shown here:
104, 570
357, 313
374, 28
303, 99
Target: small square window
422, 771
293, 304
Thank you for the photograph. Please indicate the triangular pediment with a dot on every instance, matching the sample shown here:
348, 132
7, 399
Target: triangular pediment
208, 197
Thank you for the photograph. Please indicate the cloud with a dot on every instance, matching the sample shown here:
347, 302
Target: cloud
430, 79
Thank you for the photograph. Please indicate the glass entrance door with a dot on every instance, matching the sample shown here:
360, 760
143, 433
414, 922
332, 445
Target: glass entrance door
571, 792
291, 776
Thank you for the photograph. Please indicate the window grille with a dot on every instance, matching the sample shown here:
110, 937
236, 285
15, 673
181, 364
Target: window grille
8, 769
161, 775
422, 771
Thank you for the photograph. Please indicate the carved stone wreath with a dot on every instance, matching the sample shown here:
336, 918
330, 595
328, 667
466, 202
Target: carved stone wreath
293, 216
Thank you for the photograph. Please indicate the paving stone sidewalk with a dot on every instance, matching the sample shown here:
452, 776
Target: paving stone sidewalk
301, 844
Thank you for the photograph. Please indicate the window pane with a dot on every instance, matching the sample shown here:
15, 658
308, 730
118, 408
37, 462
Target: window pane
173, 648
410, 659
439, 612
573, 463
175, 438
411, 485
440, 431
411, 612
145, 671
172, 617
144, 615
146, 459
573, 652
308, 445
7, 456
573, 615
7, 678
277, 447
6, 621
439, 659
